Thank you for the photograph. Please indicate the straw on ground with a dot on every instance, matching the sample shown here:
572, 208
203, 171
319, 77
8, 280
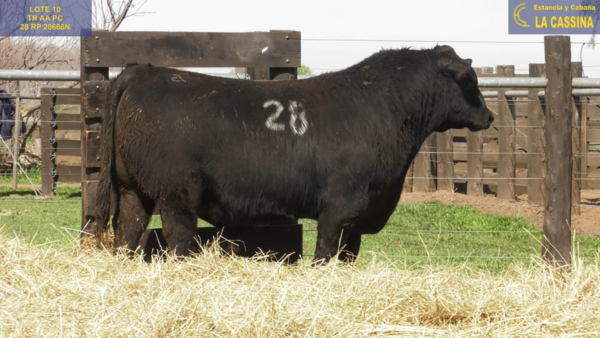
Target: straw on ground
47, 291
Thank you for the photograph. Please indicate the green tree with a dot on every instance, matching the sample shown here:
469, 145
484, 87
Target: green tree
305, 70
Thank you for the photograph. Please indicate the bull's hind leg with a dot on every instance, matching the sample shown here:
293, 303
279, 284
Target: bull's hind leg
179, 223
132, 218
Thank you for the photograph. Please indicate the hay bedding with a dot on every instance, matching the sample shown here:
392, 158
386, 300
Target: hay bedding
56, 292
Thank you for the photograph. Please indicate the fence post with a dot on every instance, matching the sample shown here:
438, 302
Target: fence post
507, 145
474, 163
576, 71
423, 166
445, 163
536, 169
46, 132
556, 244
15, 138
89, 122
585, 146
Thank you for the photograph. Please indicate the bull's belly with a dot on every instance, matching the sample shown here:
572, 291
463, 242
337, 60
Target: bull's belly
221, 215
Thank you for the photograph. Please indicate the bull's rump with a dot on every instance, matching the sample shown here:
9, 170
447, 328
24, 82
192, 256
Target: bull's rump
175, 129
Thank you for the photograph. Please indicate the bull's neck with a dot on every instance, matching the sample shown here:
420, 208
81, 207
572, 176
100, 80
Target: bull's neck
428, 114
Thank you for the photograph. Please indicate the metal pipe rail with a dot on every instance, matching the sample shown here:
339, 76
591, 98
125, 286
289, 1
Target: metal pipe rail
71, 75
523, 93
45, 75
585, 86
532, 82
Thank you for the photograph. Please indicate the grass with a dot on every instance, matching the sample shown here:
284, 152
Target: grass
417, 234
34, 173
51, 220
55, 292
430, 233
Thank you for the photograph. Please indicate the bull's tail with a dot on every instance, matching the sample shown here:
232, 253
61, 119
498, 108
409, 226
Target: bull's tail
108, 180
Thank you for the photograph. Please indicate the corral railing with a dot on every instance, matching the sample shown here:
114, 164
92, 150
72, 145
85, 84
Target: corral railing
493, 159
60, 133
508, 159
268, 55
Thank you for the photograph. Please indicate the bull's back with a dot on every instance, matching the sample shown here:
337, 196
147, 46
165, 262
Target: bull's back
253, 146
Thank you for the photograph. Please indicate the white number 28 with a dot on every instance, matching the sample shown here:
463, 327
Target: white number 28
298, 121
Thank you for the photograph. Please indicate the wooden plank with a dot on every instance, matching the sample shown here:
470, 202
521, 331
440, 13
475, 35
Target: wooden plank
45, 133
424, 163
536, 171
63, 96
487, 135
445, 164
593, 135
521, 130
493, 187
92, 146
68, 122
556, 243
94, 100
594, 111
593, 160
506, 140
69, 145
68, 135
68, 173
88, 192
474, 163
64, 151
489, 157
576, 71
192, 49
68, 160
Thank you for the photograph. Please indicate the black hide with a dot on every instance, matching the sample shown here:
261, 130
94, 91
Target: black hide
237, 153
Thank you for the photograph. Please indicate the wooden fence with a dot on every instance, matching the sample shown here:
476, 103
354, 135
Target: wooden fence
508, 159
457, 159
61, 137
269, 55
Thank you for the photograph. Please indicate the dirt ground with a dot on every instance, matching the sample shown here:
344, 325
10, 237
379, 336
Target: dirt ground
586, 224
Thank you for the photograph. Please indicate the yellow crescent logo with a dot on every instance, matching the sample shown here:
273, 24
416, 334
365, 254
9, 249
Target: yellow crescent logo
516, 13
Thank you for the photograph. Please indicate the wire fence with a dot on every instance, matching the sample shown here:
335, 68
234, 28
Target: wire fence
14, 211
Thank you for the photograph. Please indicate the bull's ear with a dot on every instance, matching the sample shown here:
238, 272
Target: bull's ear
457, 68
444, 49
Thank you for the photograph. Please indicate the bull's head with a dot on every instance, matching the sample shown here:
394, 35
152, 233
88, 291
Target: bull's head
466, 106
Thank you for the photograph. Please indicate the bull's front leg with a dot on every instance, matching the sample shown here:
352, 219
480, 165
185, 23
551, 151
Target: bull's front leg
350, 251
334, 233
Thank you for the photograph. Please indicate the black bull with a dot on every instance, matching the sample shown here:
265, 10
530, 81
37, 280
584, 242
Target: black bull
237, 153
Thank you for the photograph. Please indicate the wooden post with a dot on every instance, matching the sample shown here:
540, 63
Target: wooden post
475, 163
89, 122
507, 145
576, 71
556, 244
585, 146
46, 132
445, 163
423, 166
536, 159
16, 144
